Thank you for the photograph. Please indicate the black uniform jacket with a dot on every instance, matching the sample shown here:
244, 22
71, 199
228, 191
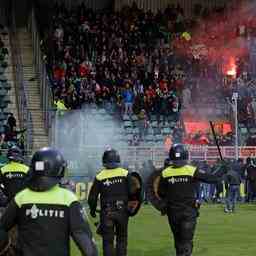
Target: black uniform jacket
112, 185
13, 177
45, 222
178, 186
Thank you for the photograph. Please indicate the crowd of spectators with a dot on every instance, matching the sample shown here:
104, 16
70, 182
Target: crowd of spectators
136, 62
113, 57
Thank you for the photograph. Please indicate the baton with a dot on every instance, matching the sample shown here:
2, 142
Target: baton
216, 141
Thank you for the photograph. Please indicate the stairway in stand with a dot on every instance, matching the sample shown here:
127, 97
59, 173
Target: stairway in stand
12, 107
40, 138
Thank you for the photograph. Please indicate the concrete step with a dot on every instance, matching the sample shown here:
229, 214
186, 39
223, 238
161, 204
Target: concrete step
40, 137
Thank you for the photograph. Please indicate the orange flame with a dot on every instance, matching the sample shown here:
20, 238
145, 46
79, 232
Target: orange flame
231, 68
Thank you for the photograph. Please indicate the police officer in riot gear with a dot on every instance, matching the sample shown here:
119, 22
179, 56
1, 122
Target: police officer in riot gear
47, 215
14, 174
176, 187
113, 185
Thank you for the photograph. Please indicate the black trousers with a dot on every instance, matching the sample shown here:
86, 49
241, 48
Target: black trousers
114, 227
251, 193
183, 228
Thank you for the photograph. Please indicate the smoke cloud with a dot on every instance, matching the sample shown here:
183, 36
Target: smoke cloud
83, 135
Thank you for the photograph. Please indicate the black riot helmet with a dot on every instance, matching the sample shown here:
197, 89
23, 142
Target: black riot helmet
178, 154
111, 159
15, 154
47, 168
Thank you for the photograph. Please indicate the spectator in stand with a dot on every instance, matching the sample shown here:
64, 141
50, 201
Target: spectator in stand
135, 141
12, 136
128, 99
186, 97
142, 124
11, 121
177, 133
97, 54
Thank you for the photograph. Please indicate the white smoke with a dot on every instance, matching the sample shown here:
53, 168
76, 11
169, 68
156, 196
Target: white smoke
83, 136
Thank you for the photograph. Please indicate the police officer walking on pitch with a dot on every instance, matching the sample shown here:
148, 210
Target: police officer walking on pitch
13, 175
114, 185
176, 191
46, 214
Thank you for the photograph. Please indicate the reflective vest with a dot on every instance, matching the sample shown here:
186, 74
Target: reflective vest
43, 220
179, 185
113, 184
13, 177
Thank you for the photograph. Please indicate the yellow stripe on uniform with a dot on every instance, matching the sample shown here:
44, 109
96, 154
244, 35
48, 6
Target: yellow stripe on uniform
14, 167
111, 173
186, 170
56, 195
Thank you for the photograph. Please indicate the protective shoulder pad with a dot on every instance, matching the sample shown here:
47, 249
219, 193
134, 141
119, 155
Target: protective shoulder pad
15, 167
187, 170
54, 196
111, 173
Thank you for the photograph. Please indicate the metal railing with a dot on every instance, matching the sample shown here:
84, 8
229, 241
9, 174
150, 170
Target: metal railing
138, 155
154, 6
46, 96
21, 89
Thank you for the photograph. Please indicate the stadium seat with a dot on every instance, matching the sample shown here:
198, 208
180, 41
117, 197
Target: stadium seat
157, 131
3, 78
6, 99
153, 118
4, 64
150, 144
129, 137
129, 130
126, 118
149, 138
159, 137
253, 130
2, 70
2, 116
136, 130
102, 111
172, 124
166, 130
135, 123
118, 137
3, 92
1, 128
94, 111
154, 124
128, 124
121, 144
3, 105
150, 131
244, 130
134, 118
6, 86
159, 143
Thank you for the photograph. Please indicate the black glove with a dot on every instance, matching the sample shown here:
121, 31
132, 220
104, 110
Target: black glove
163, 210
93, 213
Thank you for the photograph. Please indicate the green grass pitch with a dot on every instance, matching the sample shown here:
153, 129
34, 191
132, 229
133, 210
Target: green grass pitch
217, 233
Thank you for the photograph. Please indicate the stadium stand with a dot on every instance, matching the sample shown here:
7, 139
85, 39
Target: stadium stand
128, 74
